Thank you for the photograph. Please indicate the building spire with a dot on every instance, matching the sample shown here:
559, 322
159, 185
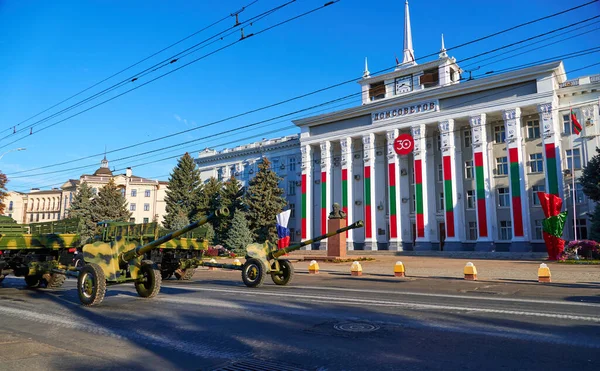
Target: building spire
443, 53
366, 73
409, 54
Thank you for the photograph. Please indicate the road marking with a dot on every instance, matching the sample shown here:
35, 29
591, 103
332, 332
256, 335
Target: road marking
356, 301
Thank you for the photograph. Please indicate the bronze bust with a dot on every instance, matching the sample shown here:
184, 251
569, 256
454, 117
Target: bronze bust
336, 213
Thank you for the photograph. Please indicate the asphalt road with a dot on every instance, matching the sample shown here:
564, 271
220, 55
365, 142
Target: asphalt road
322, 322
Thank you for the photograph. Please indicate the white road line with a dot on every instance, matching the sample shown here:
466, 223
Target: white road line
356, 301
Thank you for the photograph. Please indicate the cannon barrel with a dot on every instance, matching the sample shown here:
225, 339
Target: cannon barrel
141, 250
297, 246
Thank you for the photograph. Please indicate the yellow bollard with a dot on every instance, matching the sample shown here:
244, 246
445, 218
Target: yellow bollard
237, 262
470, 272
313, 267
544, 273
399, 269
356, 269
212, 268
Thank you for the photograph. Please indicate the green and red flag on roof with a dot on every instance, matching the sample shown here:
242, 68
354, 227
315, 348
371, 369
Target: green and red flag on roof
553, 225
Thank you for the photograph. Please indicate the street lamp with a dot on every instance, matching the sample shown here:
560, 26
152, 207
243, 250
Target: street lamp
12, 150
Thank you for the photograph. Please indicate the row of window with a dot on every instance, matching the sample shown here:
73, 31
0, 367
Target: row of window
134, 192
291, 166
506, 232
43, 216
132, 207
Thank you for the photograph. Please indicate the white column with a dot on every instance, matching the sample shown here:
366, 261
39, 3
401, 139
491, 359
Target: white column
519, 200
451, 179
347, 194
306, 209
326, 156
484, 204
393, 175
423, 238
369, 187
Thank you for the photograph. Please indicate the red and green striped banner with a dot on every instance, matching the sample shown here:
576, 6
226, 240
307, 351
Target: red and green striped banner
323, 202
447, 167
551, 169
419, 199
304, 206
367, 177
515, 189
345, 194
392, 182
480, 189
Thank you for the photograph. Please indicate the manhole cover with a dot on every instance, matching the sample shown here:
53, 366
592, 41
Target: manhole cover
356, 327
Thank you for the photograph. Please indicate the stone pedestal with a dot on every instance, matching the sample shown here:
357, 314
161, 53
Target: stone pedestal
336, 245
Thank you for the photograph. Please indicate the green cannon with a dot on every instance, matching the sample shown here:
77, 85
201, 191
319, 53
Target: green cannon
122, 260
264, 258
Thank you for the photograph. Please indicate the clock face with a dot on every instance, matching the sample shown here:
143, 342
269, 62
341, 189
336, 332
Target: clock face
403, 84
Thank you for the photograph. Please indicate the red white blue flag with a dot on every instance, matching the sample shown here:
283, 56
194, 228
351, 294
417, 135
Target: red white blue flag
283, 231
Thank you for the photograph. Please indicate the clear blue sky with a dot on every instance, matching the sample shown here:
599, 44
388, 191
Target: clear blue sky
53, 49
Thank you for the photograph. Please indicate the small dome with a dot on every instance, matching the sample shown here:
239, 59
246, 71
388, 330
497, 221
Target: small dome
103, 171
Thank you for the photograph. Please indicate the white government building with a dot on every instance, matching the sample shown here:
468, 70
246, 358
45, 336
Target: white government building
482, 148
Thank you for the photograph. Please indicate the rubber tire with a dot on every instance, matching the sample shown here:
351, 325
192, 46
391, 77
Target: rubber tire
56, 280
260, 275
99, 280
185, 275
33, 281
151, 287
288, 273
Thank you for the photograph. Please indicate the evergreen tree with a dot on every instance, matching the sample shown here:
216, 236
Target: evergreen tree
590, 179
110, 204
264, 200
595, 224
3, 192
182, 192
239, 235
230, 197
81, 208
210, 234
209, 199
180, 220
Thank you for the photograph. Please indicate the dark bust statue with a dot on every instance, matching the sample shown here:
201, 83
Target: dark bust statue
336, 213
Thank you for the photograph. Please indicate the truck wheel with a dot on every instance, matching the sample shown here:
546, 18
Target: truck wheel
91, 285
285, 275
185, 274
56, 280
33, 281
253, 272
148, 285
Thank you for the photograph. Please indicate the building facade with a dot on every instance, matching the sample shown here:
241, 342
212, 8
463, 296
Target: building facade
242, 162
482, 149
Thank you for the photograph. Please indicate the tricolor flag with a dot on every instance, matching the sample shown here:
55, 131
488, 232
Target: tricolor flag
576, 125
397, 61
283, 231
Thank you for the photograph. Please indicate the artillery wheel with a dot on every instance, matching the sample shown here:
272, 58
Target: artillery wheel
91, 285
149, 285
286, 275
185, 274
56, 280
253, 272
33, 281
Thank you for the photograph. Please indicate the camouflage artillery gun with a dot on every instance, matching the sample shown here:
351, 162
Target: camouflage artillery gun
34, 251
264, 258
119, 260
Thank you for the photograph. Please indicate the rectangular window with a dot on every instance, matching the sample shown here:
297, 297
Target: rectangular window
499, 134
291, 188
430, 77
536, 163
582, 233
502, 165
468, 138
538, 230
505, 230
440, 173
147, 193
567, 127
414, 204
31, 217
469, 174
292, 162
503, 197
472, 231
146, 220
441, 200
37, 217
134, 193
43, 216
570, 153
146, 207
470, 199
377, 91
533, 129
123, 192
439, 142
579, 195
292, 210
132, 207
535, 200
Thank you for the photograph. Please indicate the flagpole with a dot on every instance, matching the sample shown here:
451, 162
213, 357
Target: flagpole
573, 182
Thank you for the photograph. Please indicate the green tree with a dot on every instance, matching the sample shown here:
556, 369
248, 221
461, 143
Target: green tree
230, 196
209, 199
264, 200
590, 179
110, 204
81, 208
182, 192
3, 192
239, 235
595, 224
210, 234
180, 220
